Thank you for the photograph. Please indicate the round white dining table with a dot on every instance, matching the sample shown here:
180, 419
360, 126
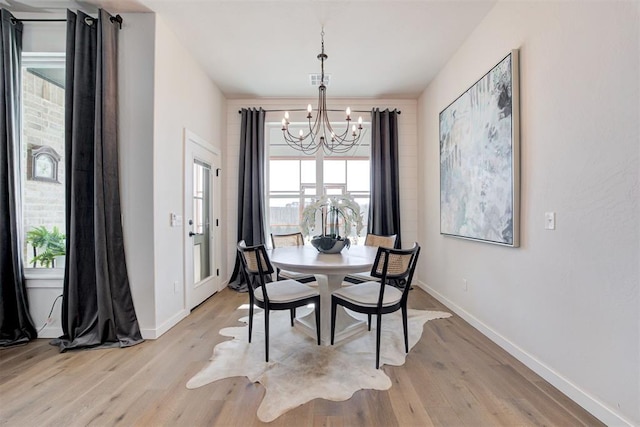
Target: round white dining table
329, 271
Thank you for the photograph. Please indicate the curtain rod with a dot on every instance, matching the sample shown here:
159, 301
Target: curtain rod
37, 20
116, 18
304, 109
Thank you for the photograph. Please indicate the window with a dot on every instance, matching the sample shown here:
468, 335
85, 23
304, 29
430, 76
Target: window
43, 171
295, 179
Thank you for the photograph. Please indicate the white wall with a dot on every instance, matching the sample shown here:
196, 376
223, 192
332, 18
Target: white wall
47, 37
184, 97
567, 301
136, 76
407, 152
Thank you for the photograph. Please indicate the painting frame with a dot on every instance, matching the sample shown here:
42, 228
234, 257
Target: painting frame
479, 138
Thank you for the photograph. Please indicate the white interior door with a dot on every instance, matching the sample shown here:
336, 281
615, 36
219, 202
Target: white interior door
201, 225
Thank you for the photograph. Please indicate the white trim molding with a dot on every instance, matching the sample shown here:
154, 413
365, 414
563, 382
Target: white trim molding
152, 334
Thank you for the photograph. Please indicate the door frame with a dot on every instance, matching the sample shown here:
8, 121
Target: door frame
191, 141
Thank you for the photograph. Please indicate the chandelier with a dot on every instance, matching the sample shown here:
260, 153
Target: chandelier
321, 134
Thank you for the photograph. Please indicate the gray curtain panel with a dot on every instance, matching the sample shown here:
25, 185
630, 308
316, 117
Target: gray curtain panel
251, 187
384, 207
16, 326
97, 307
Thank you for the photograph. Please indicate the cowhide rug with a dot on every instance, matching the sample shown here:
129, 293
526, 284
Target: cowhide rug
299, 370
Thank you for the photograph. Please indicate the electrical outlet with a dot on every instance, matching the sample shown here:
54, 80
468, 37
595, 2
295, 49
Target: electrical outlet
465, 285
176, 287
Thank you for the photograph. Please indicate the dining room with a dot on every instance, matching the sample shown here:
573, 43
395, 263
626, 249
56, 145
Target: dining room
541, 328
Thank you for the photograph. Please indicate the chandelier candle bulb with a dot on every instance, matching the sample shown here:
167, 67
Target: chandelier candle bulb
348, 113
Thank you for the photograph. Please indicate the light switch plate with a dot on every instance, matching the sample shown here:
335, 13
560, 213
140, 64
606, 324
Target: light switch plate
175, 220
550, 220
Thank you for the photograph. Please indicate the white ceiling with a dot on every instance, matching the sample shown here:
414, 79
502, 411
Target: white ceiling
389, 48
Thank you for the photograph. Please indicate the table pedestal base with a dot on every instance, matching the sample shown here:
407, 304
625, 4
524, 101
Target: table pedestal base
346, 325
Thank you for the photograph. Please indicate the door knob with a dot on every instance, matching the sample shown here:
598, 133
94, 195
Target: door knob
191, 234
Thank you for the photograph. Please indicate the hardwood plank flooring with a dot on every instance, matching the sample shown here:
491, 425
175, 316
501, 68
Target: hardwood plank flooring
454, 376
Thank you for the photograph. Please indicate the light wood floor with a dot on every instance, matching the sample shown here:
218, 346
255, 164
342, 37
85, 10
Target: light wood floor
454, 376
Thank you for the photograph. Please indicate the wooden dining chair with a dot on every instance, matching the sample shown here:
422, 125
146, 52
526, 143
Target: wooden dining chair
290, 239
279, 295
377, 241
380, 297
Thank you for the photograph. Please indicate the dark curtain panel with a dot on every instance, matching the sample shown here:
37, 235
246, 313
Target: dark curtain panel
384, 208
251, 187
97, 308
16, 326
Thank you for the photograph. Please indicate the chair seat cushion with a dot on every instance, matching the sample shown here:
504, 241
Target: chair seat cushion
285, 291
363, 277
295, 276
366, 294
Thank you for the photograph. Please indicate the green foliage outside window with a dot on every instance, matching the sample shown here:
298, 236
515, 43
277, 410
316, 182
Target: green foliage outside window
47, 245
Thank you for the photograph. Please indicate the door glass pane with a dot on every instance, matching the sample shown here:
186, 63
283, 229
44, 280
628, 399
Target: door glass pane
201, 220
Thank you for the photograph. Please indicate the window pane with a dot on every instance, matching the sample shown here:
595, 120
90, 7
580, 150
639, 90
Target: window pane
363, 202
308, 170
284, 214
334, 171
284, 175
43, 157
278, 147
358, 175
333, 191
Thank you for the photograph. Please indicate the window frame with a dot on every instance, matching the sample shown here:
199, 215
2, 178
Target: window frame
37, 60
320, 185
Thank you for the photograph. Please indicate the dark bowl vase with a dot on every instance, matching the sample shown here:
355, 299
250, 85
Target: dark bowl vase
330, 245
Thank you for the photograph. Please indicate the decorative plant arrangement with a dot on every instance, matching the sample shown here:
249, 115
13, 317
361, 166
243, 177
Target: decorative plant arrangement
47, 245
332, 210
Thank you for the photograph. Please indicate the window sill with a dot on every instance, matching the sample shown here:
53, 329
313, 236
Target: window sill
44, 273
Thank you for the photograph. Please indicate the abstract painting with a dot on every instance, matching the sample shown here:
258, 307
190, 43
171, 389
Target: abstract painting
479, 159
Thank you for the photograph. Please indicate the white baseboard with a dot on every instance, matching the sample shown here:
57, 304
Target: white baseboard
598, 409
54, 331
152, 334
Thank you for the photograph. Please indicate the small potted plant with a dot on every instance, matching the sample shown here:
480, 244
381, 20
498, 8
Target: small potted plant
333, 210
47, 245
